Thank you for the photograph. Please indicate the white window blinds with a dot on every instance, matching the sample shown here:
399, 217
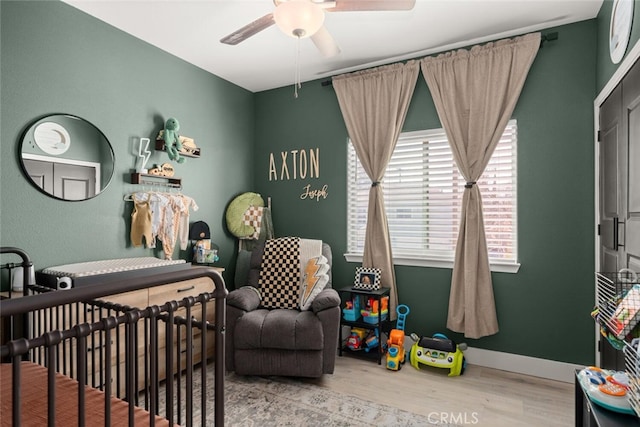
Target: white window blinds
423, 193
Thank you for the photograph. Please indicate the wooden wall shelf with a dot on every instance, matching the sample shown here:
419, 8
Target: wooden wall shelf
147, 179
161, 146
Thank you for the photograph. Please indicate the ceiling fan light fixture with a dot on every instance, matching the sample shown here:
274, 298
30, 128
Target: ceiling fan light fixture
299, 18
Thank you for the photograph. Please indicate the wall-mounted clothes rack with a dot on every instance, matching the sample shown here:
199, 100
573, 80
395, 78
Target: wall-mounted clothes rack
157, 180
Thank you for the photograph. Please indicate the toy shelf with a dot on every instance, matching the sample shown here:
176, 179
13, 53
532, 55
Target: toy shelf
371, 355
383, 325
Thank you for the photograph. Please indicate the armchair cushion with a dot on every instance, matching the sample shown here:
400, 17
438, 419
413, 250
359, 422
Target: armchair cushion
279, 329
326, 299
246, 298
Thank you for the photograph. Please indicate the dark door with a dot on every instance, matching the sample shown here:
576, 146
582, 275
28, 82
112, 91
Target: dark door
619, 182
630, 229
610, 192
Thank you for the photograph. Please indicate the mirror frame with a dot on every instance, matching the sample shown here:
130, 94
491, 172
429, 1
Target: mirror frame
104, 175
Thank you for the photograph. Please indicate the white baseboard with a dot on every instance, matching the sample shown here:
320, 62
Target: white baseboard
544, 368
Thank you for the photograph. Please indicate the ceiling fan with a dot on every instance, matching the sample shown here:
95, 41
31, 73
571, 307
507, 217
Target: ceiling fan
305, 18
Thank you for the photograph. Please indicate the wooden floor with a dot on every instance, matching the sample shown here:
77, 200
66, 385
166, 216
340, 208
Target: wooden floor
479, 397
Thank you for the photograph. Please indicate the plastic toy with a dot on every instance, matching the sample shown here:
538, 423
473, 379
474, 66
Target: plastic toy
351, 312
371, 312
354, 342
606, 388
395, 354
356, 339
372, 341
362, 333
437, 351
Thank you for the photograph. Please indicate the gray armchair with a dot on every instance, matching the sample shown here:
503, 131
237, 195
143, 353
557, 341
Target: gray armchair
285, 342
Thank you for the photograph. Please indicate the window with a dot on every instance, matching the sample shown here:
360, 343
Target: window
423, 194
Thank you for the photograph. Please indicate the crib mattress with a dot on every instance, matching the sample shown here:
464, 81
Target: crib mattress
34, 401
105, 271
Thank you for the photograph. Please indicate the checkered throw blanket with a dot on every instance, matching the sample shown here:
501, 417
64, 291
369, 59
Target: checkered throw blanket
280, 273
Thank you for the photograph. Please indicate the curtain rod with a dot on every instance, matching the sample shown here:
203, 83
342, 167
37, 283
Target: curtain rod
544, 38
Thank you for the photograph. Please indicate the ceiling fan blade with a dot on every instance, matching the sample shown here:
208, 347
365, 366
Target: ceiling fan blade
369, 5
325, 43
249, 30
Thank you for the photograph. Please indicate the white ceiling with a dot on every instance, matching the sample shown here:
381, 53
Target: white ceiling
191, 30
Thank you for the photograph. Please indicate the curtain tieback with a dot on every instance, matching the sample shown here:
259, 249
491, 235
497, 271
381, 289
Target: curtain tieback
375, 183
469, 184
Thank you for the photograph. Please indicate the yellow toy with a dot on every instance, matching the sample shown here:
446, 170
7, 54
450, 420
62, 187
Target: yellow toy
437, 351
361, 332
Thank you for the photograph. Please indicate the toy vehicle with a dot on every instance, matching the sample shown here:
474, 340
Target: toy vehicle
395, 357
437, 351
354, 342
395, 354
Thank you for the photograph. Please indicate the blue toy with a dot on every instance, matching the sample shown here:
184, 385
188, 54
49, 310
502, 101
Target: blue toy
437, 351
372, 341
395, 354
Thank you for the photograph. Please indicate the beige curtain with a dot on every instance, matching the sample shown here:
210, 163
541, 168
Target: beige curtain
475, 92
374, 105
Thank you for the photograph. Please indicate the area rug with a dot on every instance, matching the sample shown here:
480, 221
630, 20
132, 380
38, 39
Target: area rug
277, 401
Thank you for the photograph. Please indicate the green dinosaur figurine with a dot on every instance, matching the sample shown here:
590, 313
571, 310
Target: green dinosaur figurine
172, 140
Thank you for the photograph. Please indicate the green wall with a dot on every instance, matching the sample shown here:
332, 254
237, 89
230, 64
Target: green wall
547, 303
56, 59
605, 68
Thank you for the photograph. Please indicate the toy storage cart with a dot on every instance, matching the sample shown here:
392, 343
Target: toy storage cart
617, 313
354, 319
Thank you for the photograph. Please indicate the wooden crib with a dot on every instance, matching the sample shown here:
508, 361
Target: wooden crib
134, 350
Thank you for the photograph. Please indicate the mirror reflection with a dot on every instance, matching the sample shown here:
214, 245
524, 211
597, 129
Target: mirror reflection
67, 157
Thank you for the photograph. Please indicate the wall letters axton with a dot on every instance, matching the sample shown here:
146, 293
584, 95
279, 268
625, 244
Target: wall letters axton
297, 164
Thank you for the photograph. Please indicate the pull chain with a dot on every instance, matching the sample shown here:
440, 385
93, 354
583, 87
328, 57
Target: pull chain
296, 84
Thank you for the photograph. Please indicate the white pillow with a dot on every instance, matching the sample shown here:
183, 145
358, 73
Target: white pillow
314, 280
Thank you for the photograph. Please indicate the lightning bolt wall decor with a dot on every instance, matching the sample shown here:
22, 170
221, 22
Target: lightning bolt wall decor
144, 154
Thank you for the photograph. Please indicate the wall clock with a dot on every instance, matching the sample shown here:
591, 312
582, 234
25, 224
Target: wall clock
52, 138
620, 28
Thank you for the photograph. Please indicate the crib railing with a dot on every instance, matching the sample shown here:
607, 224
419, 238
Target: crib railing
116, 349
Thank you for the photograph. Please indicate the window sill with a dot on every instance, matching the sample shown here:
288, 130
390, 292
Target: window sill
437, 263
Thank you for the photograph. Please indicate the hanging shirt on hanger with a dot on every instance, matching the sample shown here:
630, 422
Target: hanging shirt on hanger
183, 223
141, 220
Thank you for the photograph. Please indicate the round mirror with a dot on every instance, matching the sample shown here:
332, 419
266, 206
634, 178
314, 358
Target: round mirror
67, 157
